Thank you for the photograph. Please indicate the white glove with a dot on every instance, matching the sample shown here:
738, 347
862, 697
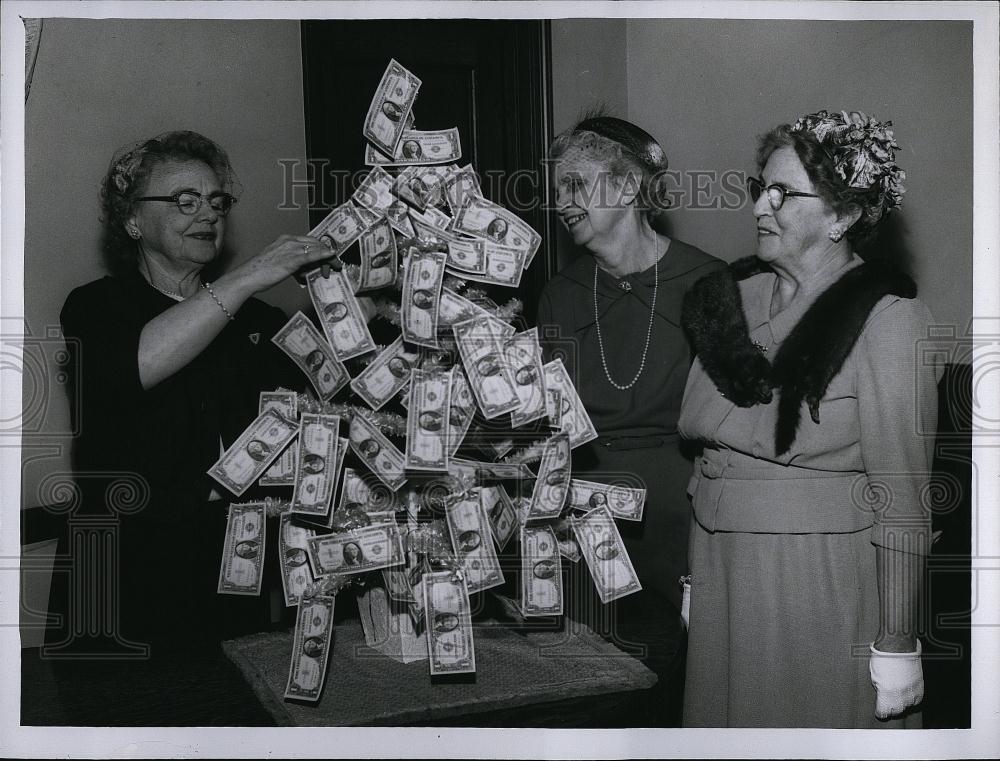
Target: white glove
686, 600
898, 680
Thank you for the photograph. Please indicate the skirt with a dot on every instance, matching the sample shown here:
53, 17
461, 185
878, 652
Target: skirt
780, 626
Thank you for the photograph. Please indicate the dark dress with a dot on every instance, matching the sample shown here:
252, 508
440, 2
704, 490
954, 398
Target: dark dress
164, 439
637, 428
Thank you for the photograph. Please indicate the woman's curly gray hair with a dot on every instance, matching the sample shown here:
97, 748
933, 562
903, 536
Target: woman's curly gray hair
624, 149
126, 178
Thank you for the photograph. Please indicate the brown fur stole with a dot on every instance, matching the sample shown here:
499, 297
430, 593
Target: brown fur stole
813, 353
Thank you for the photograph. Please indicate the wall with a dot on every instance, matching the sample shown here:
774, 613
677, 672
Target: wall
100, 84
707, 88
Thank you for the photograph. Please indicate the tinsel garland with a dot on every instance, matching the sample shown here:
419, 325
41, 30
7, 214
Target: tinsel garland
530, 454
390, 312
389, 423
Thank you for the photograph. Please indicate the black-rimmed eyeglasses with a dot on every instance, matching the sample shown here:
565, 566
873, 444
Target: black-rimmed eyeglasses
189, 202
776, 194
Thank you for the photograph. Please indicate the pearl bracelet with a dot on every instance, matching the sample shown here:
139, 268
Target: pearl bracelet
208, 287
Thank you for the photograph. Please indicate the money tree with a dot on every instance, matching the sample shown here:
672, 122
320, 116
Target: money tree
428, 501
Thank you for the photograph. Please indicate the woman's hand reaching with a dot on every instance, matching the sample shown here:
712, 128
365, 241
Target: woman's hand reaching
287, 255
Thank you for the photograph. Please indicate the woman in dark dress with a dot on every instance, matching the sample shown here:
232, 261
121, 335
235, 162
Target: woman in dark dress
171, 366
614, 317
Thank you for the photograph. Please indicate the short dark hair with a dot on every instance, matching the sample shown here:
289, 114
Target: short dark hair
830, 186
126, 179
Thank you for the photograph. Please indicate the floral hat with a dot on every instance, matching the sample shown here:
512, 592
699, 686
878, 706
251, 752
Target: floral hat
863, 154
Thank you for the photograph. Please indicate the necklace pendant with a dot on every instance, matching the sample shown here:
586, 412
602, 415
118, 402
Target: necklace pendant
626, 286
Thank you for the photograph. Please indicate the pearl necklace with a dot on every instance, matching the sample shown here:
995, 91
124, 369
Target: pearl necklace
649, 328
172, 294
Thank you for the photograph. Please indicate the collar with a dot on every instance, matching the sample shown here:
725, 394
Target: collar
674, 275
819, 331
758, 291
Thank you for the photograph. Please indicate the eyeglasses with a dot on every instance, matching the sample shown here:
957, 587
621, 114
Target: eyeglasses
189, 202
776, 194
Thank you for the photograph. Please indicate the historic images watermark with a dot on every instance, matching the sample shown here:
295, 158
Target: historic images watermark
316, 184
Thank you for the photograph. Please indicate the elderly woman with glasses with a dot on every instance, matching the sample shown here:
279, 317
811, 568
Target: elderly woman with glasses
614, 315
171, 366
808, 393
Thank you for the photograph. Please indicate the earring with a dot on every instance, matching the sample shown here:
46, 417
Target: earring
836, 235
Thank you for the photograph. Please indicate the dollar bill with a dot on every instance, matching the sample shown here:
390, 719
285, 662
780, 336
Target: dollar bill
421, 186
386, 375
378, 257
375, 192
427, 421
496, 471
293, 555
311, 648
386, 517
574, 420
243, 550
500, 511
467, 255
541, 572
624, 502
316, 479
300, 340
433, 223
340, 314
400, 582
430, 233
485, 365
454, 308
343, 446
341, 227
377, 452
364, 549
461, 186
554, 407
461, 410
448, 622
504, 266
570, 550
568, 547
421, 293
524, 356
471, 539
356, 493
604, 551
255, 449
462, 475
485, 219
387, 115
399, 217
552, 484
282, 472
415, 146
497, 448
375, 195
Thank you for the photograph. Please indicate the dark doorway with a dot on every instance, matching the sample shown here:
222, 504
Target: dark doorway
489, 78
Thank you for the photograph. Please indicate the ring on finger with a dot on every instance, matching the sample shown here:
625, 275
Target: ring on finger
306, 249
